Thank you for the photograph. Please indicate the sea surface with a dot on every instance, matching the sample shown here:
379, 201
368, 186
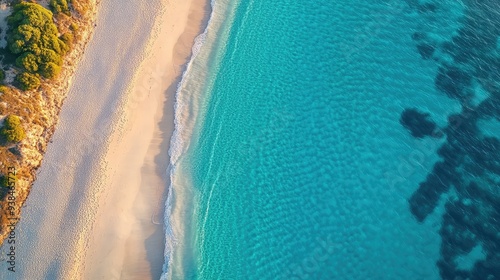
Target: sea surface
338, 140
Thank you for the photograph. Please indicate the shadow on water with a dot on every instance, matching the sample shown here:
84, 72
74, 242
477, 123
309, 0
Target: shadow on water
469, 169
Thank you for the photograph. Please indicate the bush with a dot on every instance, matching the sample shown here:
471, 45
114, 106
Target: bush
49, 56
28, 81
4, 89
12, 130
73, 27
2, 76
59, 6
68, 39
27, 23
33, 37
50, 70
4, 181
28, 62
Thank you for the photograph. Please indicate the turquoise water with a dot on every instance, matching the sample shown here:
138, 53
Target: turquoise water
297, 166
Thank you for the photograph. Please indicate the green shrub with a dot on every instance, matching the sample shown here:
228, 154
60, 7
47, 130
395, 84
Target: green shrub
33, 37
28, 61
27, 81
73, 27
27, 23
59, 6
49, 56
4, 89
5, 180
2, 76
50, 70
12, 129
64, 48
68, 39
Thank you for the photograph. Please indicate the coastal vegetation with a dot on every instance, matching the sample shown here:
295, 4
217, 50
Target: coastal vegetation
27, 81
4, 182
44, 38
81, 6
4, 186
12, 130
33, 38
59, 6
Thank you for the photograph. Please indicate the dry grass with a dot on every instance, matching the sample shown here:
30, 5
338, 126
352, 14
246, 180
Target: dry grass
81, 7
26, 105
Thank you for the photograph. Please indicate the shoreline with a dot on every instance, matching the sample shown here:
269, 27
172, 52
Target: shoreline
107, 128
134, 241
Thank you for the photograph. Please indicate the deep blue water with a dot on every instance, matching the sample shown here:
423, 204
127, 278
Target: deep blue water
299, 166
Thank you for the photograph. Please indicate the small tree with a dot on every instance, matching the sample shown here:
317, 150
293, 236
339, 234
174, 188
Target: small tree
12, 130
32, 37
68, 39
50, 70
28, 61
28, 81
59, 6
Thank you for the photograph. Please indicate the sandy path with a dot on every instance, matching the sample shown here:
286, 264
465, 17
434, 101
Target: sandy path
103, 178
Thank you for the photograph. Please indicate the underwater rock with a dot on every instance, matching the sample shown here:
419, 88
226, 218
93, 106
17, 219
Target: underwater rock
426, 198
418, 36
426, 50
453, 81
470, 160
417, 123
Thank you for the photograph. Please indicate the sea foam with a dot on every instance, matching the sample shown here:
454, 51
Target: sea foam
195, 81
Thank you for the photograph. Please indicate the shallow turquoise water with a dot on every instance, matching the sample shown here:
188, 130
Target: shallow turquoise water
299, 166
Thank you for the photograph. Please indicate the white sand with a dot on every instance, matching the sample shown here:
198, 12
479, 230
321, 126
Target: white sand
104, 177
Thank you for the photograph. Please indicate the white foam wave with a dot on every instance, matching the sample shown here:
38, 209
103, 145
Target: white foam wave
195, 80
177, 147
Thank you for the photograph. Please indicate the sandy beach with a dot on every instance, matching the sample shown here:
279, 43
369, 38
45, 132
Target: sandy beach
96, 208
